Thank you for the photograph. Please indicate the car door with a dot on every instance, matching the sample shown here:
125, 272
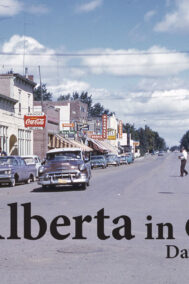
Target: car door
24, 168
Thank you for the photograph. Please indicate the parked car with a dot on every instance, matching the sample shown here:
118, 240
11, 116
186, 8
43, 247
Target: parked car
161, 153
98, 161
65, 166
123, 160
14, 169
33, 160
112, 159
129, 158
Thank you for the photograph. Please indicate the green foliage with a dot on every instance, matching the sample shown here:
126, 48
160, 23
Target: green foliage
47, 96
149, 139
185, 140
93, 110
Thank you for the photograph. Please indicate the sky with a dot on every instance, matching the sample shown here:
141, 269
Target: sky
132, 56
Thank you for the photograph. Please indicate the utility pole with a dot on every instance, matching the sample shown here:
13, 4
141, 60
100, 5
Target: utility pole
41, 91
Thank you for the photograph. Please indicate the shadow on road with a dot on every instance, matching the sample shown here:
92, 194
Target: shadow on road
57, 189
166, 192
174, 176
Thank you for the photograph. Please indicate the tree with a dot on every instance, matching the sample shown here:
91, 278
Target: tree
93, 110
47, 96
185, 141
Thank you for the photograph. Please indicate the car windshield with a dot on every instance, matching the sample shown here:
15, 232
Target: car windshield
29, 161
6, 161
97, 158
111, 157
75, 155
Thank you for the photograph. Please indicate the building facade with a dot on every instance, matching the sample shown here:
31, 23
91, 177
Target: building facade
45, 139
16, 100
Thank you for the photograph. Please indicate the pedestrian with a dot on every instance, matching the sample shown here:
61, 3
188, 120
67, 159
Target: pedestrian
183, 158
2, 153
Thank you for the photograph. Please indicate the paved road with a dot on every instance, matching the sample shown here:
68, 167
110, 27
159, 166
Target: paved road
150, 186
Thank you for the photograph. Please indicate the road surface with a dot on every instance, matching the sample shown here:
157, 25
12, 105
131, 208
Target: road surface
149, 187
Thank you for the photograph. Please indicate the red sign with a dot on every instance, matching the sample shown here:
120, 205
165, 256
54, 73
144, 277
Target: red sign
104, 126
120, 129
96, 137
34, 120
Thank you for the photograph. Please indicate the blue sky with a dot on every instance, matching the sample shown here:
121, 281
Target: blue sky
136, 67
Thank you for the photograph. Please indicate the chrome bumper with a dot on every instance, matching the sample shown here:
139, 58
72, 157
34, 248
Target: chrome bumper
53, 180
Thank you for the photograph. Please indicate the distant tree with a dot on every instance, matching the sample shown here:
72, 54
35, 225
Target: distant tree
175, 147
93, 110
47, 96
64, 98
185, 141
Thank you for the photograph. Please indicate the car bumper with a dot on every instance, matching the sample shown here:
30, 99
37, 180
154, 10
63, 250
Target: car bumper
6, 178
63, 181
97, 165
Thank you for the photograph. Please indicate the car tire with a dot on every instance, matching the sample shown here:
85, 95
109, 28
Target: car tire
13, 183
83, 186
32, 178
28, 181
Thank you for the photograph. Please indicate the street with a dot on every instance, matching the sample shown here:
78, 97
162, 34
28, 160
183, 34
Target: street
150, 186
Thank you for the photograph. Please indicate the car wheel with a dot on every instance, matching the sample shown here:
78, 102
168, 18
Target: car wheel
13, 182
28, 180
83, 186
32, 178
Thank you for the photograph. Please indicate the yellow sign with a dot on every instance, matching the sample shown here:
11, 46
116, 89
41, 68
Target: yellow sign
112, 137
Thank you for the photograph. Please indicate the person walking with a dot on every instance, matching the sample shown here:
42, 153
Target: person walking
183, 158
2, 153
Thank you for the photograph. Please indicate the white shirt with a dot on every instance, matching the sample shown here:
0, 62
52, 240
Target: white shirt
184, 155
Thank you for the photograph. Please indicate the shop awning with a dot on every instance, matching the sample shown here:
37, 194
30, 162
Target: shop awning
97, 145
73, 143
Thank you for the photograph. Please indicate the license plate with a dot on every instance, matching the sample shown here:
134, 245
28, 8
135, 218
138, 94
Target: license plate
62, 181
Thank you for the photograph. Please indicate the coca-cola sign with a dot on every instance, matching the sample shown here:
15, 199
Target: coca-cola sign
35, 121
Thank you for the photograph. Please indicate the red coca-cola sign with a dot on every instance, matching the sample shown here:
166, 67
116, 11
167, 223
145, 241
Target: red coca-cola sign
35, 120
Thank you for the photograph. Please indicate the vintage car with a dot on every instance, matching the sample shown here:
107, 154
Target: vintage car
112, 159
123, 160
98, 161
65, 166
13, 169
129, 158
33, 160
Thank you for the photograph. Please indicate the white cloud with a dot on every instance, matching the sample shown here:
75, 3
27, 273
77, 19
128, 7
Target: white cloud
149, 15
163, 102
68, 87
89, 6
10, 7
156, 61
14, 7
177, 20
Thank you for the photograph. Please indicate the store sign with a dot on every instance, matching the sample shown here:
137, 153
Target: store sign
36, 121
104, 126
120, 129
68, 124
111, 134
97, 137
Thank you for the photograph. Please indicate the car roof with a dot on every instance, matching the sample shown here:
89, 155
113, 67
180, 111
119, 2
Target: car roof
30, 156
